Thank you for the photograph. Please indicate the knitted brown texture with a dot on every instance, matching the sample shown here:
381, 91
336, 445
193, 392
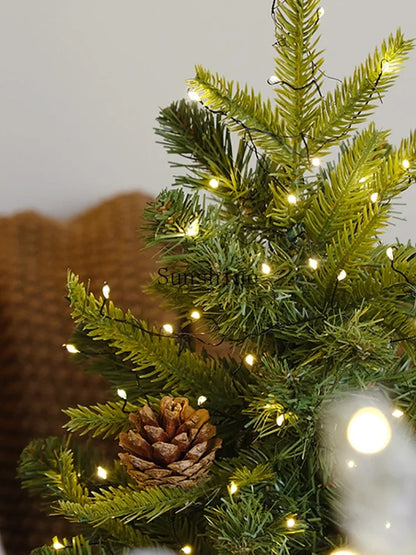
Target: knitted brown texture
37, 377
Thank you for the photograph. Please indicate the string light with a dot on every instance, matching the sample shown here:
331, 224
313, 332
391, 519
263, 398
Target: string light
316, 162
168, 328
214, 183
343, 552
290, 522
106, 291
250, 359
362, 180
187, 549
342, 275
397, 413
390, 253
292, 199
313, 263
321, 12
388, 525
368, 431
265, 269
201, 400
273, 80
70, 348
195, 315
193, 228
374, 197
57, 544
406, 164
194, 96
102, 473
385, 66
122, 394
351, 464
280, 419
232, 488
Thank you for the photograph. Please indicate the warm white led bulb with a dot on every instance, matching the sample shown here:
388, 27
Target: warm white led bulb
343, 552
388, 525
351, 464
265, 269
390, 253
397, 413
406, 164
250, 359
70, 348
342, 275
362, 180
194, 96
195, 315
232, 488
374, 197
292, 199
386, 66
187, 549
280, 419
106, 291
102, 473
201, 400
122, 394
290, 522
369, 431
273, 80
193, 228
316, 162
214, 183
313, 263
321, 12
57, 545
168, 328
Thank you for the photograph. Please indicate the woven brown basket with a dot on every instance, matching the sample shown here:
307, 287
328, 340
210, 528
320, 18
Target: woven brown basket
38, 378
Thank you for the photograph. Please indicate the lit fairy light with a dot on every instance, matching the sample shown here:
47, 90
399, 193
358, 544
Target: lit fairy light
390, 253
397, 413
369, 431
292, 199
57, 544
385, 66
187, 549
106, 291
232, 488
265, 269
250, 359
168, 328
273, 80
214, 183
102, 473
122, 394
316, 162
406, 164
280, 418
321, 12
374, 197
351, 464
343, 551
290, 522
195, 315
201, 400
71, 348
363, 180
313, 263
388, 525
194, 96
342, 275
192, 229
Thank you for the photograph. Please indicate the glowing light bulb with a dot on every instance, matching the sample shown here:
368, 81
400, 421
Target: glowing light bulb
102, 473
122, 394
106, 291
273, 80
290, 522
321, 12
291, 199
250, 359
280, 419
214, 183
362, 180
193, 228
187, 549
232, 488
351, 464
374, 197
390, 253
194, 96
201, 400
342, 275
397, 413
195, 315
313, 263
57, 545
406, 164
316, 162
168, 328
70, 348
388, 525
343, 552
265, 269
369, 431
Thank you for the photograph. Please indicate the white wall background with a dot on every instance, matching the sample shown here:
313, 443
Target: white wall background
81, 82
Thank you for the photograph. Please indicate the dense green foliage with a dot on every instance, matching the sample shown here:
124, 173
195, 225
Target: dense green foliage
312, 335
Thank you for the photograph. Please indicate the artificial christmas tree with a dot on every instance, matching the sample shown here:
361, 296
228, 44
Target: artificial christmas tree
287, 301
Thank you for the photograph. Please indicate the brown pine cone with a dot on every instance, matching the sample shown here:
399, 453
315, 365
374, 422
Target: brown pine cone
175, 448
